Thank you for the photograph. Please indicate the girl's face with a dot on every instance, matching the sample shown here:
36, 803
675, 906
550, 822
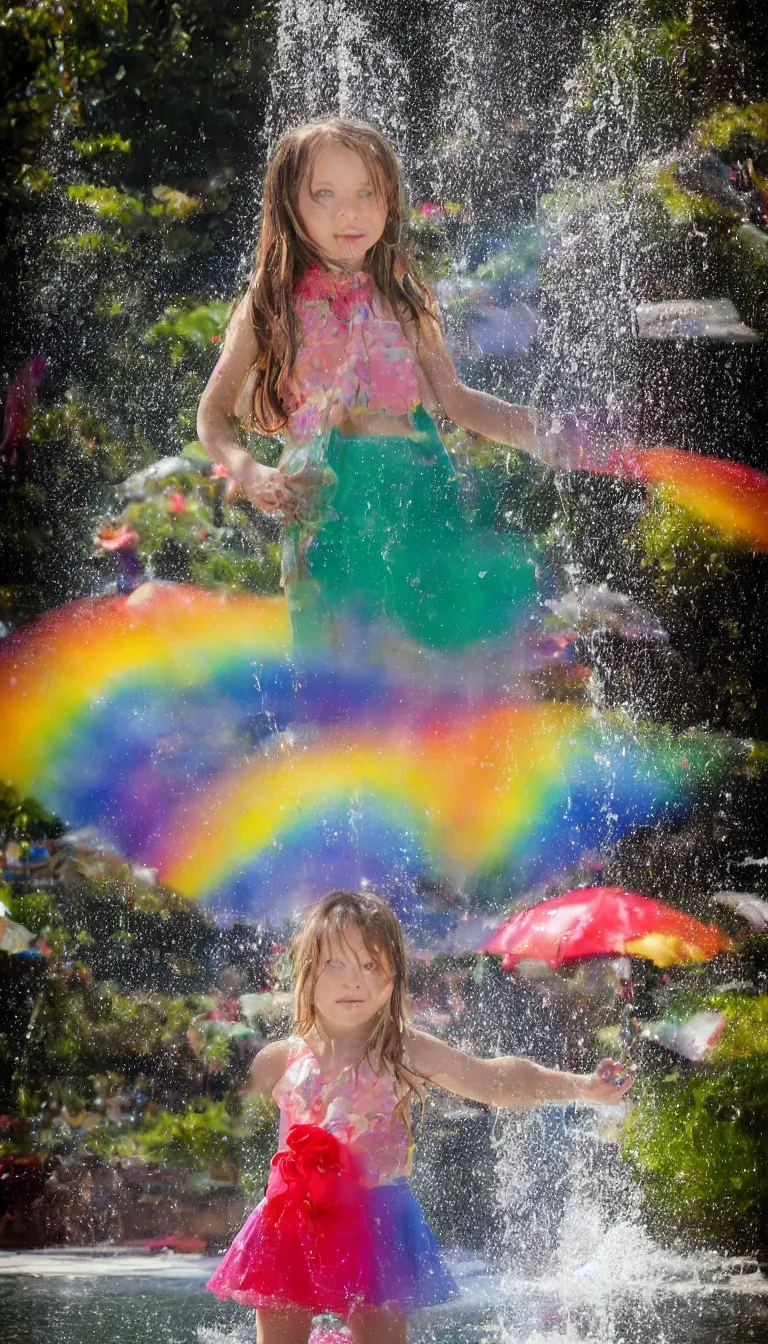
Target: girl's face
353, 986
340, 209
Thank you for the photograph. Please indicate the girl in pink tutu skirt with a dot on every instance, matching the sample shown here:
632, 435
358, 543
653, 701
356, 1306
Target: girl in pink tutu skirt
339, 1229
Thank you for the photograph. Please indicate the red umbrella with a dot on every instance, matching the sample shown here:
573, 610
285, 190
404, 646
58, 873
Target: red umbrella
603, 922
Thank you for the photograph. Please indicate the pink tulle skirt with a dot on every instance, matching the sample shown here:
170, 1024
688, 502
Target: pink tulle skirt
322, 1241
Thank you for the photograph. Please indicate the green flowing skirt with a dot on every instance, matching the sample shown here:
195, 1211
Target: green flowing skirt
383, 537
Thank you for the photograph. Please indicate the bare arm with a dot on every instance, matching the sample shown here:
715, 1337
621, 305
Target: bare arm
509, 1080
265, 486
268, 1067
523, 427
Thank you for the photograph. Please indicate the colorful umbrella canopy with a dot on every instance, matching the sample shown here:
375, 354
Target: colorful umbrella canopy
176, 722
493, 799
605, 921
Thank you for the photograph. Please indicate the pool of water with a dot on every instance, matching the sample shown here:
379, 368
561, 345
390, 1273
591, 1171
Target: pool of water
64, 1297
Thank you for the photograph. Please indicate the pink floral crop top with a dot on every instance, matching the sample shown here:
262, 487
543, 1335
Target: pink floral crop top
358, 1106
348, 354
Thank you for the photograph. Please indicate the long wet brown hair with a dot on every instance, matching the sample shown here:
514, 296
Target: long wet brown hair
284, 252
382, 936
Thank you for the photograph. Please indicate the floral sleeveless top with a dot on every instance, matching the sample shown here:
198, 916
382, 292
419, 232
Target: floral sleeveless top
357, 1106
348, 354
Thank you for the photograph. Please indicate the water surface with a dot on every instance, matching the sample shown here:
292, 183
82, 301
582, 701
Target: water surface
78, 1298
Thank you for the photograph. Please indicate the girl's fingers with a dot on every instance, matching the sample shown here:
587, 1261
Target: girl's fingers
613, 1079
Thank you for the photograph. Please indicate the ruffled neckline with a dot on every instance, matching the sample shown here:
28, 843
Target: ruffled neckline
342, 290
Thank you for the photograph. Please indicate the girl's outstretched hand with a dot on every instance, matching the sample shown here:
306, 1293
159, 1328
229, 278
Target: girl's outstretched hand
607, 1085
268, 489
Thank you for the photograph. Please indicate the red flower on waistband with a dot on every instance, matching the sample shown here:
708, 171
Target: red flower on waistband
312, 1175
309, 1150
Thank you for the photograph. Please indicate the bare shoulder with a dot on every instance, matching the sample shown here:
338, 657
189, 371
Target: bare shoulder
426, 1053
240, 327
269, 1066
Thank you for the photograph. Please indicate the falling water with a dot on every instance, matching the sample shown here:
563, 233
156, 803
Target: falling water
501, 101
330, 59
503, 114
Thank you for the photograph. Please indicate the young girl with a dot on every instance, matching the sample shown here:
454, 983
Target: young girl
339, 1229
337, 345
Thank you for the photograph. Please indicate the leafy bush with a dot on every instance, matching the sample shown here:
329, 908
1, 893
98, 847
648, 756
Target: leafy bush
129, 187
82, 1029
194, 1139
643, 79
696, 1138
36, 910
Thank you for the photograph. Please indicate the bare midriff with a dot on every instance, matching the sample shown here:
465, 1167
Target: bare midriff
362, 424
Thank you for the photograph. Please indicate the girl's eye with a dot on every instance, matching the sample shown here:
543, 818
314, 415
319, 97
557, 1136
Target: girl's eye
366, 193
335, 965
324, 191
370, 966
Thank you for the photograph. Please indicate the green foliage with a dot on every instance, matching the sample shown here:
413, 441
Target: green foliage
47, 511
521, 254
734, 131
191, 329
192, 1139
81, 1031
109, 203
748, 257
53, 57
696, 1141
195, 1139
683, 554
78, 431
24, 820
189, 532
643, 79
506, 488
704, 590
102, 144
127, 180
687, 208
429, 239
36, 910
690, 1142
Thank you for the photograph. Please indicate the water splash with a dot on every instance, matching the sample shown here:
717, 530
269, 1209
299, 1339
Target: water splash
330, 60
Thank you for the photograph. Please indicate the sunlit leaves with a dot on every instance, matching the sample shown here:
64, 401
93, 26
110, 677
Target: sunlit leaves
113, 143
185, 329
695, 1141
108, 203
173, 204
734, 130
673, 542
686, 207
23, 820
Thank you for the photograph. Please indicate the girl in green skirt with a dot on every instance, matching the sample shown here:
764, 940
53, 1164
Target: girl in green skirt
337, 345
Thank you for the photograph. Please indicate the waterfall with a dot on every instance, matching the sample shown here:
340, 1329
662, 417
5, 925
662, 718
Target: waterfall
329, 60
488, 107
